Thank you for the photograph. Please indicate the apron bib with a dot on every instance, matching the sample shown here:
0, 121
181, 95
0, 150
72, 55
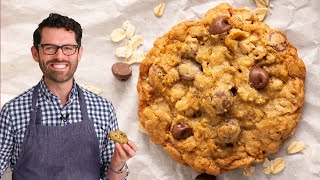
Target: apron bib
68, 152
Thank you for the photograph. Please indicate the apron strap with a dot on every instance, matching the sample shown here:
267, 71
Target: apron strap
35, 111
83, 105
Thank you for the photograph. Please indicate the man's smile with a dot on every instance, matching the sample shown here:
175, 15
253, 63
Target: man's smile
58, 66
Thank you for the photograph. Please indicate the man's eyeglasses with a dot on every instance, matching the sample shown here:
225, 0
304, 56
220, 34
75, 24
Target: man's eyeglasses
51, 49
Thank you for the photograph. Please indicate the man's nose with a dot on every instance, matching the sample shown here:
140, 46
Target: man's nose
59, 54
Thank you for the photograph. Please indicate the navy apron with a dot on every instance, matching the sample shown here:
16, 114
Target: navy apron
68, 152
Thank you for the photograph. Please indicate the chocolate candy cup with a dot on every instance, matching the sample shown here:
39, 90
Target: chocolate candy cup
121, 71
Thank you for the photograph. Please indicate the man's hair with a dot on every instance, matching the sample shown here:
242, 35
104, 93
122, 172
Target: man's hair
58, 21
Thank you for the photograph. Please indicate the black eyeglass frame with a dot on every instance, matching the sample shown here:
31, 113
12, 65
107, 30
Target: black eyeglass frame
59, 47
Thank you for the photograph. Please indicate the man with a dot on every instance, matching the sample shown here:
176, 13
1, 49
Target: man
58, 130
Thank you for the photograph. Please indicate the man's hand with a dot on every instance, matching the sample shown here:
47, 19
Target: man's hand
122, 153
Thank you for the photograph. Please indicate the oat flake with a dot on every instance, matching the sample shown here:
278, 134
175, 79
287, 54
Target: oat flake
120, 52
159, 10
136, 41
136, 57
92, 88
262, 3
248, 170
118, 35
130, 30
274, 166
129, 49
295, 147
261, 13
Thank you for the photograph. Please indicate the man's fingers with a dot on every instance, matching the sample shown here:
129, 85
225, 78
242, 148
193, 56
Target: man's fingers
126, 151
132, 145
130, 149
121, 152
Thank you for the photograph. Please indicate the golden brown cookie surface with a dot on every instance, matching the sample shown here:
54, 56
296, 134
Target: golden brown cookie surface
118, 136
221, 92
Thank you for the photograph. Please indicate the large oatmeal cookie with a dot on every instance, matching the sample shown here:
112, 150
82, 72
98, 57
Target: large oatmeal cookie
221, 92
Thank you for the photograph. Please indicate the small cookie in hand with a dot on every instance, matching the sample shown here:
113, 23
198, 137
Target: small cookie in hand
118, 136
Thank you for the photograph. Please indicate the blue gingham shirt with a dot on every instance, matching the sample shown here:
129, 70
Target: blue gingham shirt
15, 117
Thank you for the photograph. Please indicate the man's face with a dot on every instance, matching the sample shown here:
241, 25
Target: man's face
57, 67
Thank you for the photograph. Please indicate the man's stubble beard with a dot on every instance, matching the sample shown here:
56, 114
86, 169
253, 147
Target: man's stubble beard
58, 77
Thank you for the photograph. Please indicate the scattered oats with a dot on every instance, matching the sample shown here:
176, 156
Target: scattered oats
92, 88
120, 52
142, 129
266, 162
158, 11
261, 13
129, 49
125, 24
130, 30
262, 3
295, 146
136, 40
268, 166
274, 166
279, 164
248, 170
136, 57
118, 35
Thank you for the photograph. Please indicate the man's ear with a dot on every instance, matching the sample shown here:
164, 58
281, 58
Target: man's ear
80, 53
35, 54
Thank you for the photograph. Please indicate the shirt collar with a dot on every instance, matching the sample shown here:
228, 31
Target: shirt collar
51, 97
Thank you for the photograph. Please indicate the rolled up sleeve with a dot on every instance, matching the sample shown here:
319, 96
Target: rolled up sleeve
6, 139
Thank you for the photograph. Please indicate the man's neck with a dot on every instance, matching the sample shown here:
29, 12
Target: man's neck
62, 90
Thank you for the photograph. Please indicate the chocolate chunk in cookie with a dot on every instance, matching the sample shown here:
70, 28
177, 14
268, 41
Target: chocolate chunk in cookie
258, 77
188, 69
220, 25
181, 131
278, 41
118, 136
222, 101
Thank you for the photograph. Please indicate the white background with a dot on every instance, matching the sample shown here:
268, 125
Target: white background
299, 19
